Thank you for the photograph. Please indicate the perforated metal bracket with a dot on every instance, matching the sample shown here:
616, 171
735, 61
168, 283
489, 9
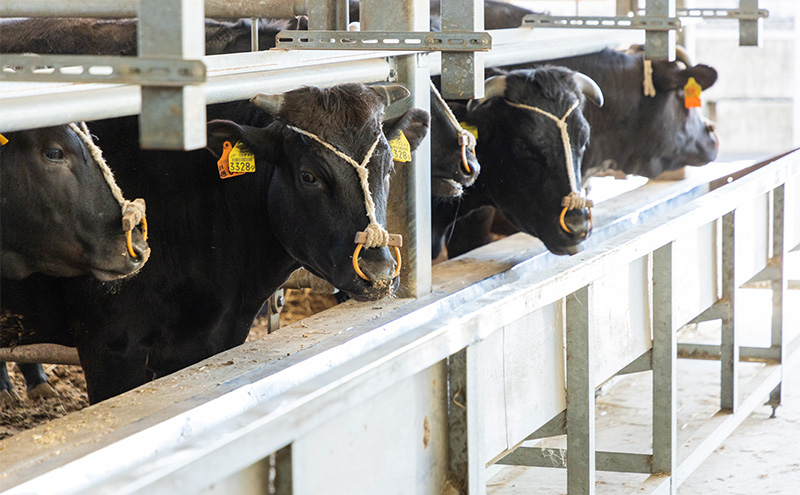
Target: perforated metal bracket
382, 40
713, 13
649, 23
99, 69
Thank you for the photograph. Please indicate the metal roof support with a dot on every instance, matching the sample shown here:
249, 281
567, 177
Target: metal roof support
409, 200
172, 118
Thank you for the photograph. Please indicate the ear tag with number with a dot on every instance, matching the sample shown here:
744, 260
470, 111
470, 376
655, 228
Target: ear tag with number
235, 160
3, 140
401, 149
470, 128
692, 92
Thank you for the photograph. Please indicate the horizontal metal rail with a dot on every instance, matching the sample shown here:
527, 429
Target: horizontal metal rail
117, 9
246, 417
453, 41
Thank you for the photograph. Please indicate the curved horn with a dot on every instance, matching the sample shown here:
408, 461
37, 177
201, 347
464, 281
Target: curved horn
269, 103
391, 93
682, 55
589, 88
494, 86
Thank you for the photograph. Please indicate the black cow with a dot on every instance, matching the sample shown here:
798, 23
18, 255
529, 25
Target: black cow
525, 165
59, 217
222, 246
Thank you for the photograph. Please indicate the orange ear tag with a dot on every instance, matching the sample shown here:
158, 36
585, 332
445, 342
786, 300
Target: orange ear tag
692, 92
222, 163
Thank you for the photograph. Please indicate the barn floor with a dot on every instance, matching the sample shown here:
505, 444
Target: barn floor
761, 456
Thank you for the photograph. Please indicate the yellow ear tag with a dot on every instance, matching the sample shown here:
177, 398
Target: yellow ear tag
401, 149
240, 160
3, 140
470, 128
692, 92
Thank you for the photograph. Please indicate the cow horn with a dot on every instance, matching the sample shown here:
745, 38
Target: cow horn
682, 55
269, 103
494, 86
589, 88
391, 93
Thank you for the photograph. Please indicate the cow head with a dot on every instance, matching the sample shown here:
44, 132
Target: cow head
454, 165
59, 216
315, 197
527, 170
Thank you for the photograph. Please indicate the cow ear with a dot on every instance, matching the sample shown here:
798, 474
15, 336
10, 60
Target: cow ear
255, 139
668, 77
414, 124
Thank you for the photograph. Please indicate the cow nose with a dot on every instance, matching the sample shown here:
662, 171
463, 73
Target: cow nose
579, 223
469, 170
140, 248
377, 264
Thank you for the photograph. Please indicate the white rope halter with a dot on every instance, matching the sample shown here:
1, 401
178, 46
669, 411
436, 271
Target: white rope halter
377, 236
647, 84
465, 138
133, 212
575, 200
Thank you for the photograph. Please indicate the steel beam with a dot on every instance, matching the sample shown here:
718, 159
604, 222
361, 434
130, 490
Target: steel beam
749, 22
779, 285
747, 354
172, 118
618, 462
554, 427
660, 45
729, 347
580, 395
462, 73
409, 211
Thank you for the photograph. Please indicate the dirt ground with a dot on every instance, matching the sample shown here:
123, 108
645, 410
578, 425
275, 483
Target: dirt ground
70, 384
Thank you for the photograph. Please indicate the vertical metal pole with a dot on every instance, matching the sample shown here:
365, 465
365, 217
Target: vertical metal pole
342, 14
665, 347
624, 7
580, 396
283, 471
779, 286
172, 118
321, 14
749, 32
462, 73
660, 45
729, 347
467, 472
409, 199
254, 34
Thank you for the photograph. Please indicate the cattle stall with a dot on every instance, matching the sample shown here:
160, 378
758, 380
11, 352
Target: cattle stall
426, 392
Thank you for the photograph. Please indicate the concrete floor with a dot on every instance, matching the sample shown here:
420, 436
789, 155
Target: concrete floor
761, 457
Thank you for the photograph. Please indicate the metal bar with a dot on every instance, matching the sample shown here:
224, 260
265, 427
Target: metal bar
660, 45
716, 312
649, 22
342, 15
554, 427
321, 14
624, 7
642, 363
172, 118
409, 200
714, 13
283, 482
665, 380
254, 34
101, 69
779, 286
580, 395
619, 462
749, 21
729, 348
103, 9
462, 73
40, 353
746, 354
464, 41
117, 101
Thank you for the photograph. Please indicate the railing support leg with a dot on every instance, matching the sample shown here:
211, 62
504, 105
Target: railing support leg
467, 471
779, 287
729, 347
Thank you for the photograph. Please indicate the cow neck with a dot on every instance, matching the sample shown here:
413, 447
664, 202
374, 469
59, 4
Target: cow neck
575, 200
465, 138
133, 212
377, 236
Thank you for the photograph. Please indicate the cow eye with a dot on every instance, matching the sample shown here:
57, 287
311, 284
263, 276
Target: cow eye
53, 154
307, 178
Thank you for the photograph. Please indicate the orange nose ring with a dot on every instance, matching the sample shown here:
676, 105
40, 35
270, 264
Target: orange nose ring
564, 224
362, 275
464, 161
129, 238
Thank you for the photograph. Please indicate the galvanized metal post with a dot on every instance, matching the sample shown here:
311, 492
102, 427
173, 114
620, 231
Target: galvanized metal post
282, 481
779, 286
462, 73
467, 472
660, 45
749, 34
729, 347
410, 196
322, 14
624, 7
580, 396
172, 118
665, 348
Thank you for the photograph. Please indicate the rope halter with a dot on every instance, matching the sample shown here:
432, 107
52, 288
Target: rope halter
575, 200
465, 138
133, 212
374, 235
